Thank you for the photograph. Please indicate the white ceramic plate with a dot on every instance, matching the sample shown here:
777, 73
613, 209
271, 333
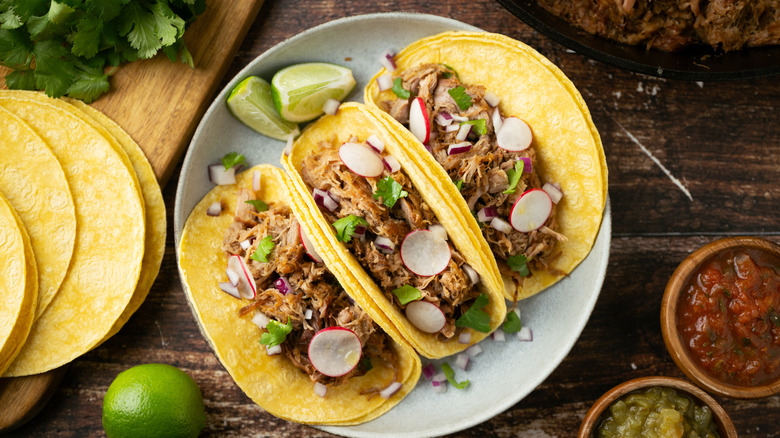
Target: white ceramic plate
505, 372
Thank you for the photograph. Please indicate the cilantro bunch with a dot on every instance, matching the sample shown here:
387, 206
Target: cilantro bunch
72, 46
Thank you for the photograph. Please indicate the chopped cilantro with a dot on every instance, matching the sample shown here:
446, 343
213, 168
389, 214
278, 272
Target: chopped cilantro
399, 90
233, 159
276, 334
451, 72
259, 204
461, 97
475, 317
519, 263
345, 227
390, 191
459, 184
478, 126
450, 375
407, 294
264, 248
514, 176
512, 323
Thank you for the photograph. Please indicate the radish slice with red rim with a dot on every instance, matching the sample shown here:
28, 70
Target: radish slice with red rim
426, 316
515, 135
309, 247
425, 253
419, 121
361, 160
531, 210
232, 276
246, 286
335, 351
498, 121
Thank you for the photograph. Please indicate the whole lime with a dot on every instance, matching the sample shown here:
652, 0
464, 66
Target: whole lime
153, 400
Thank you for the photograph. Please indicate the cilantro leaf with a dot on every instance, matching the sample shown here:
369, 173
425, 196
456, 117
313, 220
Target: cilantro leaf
86, 40
21, 80
475, 317
399, 90
105, 10
233, 159
460, 97
407, 293
450, 375
15, 48
451, 72
512, 323
514, 176
264, 248
519, 263
259, 204
459, 184
478, 126
345, 227
276, 334
9, 19
138, 25
390, 191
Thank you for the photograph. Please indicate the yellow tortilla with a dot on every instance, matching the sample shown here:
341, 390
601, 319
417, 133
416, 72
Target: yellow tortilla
569, 149
18, 284
109, 244
35, 185
359, 120
272, 381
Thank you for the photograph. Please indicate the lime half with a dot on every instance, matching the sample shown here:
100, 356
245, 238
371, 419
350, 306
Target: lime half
299, 91
250, 101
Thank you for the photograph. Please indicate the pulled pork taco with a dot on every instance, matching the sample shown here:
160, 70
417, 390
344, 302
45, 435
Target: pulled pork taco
396, 239
523, 163
277, 315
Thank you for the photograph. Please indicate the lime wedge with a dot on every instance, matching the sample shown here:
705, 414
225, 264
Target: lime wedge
299, 91
250, 101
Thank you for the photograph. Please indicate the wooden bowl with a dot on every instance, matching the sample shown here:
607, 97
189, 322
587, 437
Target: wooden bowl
673, 339
594, 416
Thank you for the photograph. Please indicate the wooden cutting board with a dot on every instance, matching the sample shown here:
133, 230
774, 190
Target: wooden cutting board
159, 103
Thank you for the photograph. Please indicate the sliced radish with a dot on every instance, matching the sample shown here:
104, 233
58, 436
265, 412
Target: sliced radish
375, 143
361, 160
232, 276
498, 121
230, 289
555, 193
425, 316
515, 135
384, 82
246, 283
331, 107
419, 122
309, 247
390, 390
335, 351
531, 210
214, 209
425, 253
221, 177
439, 230
391, 163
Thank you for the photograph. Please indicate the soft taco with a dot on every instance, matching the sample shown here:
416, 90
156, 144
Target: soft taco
523, 163
396, 239
284, 326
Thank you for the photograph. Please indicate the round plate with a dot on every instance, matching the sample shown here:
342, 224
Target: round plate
696, 64
505, 372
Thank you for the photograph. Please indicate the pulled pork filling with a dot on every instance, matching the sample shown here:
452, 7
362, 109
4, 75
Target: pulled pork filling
313, 288
482, 170
451, 290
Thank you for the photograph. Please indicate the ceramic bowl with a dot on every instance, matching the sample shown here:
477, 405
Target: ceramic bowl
596, 413
669, 327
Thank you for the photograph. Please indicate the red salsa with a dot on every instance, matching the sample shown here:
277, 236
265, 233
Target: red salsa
729, 316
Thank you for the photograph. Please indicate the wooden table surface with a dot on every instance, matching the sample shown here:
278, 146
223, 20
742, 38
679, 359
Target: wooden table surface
689, 163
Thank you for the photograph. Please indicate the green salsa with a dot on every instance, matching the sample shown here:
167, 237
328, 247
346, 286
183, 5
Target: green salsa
657, 412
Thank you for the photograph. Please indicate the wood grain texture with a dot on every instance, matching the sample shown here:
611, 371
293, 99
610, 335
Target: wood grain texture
720, 140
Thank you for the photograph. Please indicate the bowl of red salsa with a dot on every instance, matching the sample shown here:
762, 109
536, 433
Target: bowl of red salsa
720, 317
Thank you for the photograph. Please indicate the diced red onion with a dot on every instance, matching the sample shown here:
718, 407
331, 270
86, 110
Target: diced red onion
384, 82
245, 244
439, 377
459, 148
462, 361
439, 387
260, 319
428, 371
501, 225
474, 350
221, 177
459, 119
452, 128
283, 285
230, 289
387, 61
463, 131
492, 99
528, 165
498, 121
439, 230
214, 209
232, 276
331, 107
323, 199
487, 214
390, 390
320, 389
443, 118
288, 146
391, 163
555, 193
375, 143
256, 175
525, 335
307, 314
499, 335
271, 351
465, 337
384, 244
473, 275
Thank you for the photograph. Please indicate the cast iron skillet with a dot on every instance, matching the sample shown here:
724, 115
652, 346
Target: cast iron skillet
697, 64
